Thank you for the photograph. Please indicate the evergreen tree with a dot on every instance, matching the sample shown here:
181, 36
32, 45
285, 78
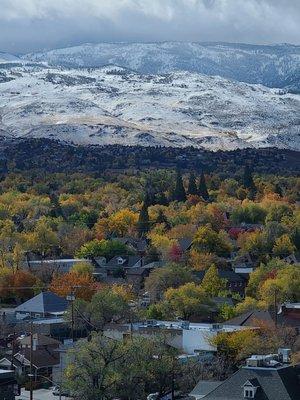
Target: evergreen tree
143, 222
248, 182
248, 179
202, 191
162, 219
161, 199
179, 192
192, 188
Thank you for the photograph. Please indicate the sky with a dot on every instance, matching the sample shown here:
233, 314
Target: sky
32, 25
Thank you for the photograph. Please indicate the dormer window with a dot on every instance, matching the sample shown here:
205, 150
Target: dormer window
120, 261
250, 388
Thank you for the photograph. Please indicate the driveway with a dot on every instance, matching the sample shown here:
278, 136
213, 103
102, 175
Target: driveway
41, 394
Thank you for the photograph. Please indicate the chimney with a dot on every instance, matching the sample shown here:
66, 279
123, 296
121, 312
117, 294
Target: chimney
284, 355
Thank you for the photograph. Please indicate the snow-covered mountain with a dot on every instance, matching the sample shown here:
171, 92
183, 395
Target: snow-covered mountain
113, 105
4, 57
273, 66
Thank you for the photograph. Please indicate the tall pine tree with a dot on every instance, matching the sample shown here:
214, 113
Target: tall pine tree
143, 224
192, 188
179, 192
248, 182
202, 191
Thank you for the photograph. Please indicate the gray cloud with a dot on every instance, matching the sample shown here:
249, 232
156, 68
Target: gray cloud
28, 25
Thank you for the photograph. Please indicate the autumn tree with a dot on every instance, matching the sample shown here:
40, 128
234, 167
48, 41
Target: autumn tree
81, 285
207, 240
212, 284
283, 246
42, 240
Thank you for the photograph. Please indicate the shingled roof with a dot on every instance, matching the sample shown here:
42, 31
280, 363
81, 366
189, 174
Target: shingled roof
272, 384
44, 303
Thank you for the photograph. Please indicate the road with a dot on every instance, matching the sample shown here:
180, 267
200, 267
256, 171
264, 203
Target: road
41, 394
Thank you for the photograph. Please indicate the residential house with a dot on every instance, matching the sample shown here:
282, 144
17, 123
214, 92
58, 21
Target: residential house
45, 304
290, 259
243, 264
270, 377
44, 356
235, 282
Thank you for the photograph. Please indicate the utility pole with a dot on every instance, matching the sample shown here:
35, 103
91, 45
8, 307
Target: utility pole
31, 357
275, 307
71, 298
13, 352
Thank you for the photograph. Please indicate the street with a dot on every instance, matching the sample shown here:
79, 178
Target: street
40, 394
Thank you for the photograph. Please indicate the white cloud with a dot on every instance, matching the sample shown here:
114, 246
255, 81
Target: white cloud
30, 24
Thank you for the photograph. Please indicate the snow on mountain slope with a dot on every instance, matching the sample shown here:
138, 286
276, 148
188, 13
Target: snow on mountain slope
112, 105
272, 66
4, 57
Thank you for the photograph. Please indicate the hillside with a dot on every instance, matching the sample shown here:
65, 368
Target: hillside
113, 105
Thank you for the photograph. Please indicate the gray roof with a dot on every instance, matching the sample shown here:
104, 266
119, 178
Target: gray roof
129, 262
274, 384
44, 303
204, 387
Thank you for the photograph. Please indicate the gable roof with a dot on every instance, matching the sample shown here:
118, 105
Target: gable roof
44, 303
41, 340
40, 358
250, 318
129, 261
185, 243
273, 384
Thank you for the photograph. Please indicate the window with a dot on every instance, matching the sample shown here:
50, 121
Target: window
249, 393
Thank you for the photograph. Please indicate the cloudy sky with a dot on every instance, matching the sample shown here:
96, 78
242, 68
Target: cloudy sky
29, 25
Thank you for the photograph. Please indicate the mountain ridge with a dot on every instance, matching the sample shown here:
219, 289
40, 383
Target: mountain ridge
275, 65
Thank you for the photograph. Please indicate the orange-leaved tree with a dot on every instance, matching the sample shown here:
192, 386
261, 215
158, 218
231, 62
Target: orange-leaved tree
82, 286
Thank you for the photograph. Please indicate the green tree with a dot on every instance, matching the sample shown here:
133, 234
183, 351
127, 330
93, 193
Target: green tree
248, 181
202, 191
160, 279
102, 248
106, 305
189, 300
83, 268
212, 284
105, 369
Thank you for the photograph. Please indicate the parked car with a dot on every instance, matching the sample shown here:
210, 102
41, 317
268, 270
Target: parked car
57, 391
